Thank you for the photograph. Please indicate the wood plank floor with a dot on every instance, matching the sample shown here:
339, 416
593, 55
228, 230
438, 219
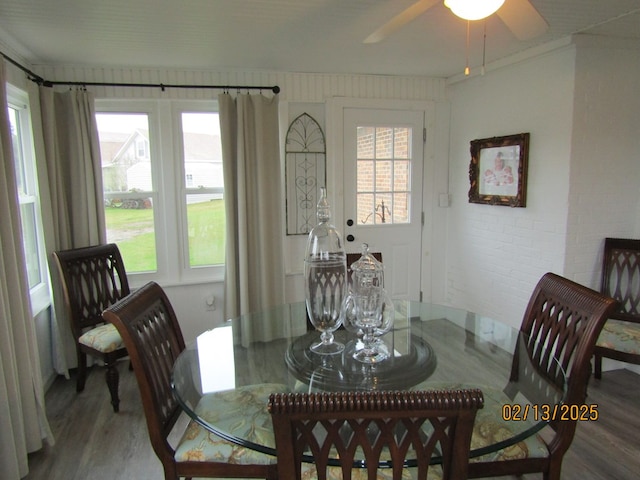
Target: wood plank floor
93, 442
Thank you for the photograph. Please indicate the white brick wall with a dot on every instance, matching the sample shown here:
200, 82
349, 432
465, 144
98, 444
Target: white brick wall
581, 107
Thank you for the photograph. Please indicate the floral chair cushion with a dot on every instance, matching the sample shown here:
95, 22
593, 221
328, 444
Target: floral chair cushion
490, 427
620, 336
243, 412
104, 338
335, 473
200, 445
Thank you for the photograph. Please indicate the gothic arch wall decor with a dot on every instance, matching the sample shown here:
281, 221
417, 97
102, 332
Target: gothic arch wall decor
305, 172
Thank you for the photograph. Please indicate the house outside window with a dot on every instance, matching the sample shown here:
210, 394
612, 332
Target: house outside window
165, 210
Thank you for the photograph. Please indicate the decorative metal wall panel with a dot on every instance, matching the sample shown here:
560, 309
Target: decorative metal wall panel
305, 171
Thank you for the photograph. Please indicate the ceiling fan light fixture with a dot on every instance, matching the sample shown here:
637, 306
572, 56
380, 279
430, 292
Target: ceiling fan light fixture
473, 9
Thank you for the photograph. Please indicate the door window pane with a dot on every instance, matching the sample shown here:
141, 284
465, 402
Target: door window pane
383, 183
365, 143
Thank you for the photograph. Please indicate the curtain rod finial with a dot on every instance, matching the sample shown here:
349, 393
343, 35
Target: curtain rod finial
276, 89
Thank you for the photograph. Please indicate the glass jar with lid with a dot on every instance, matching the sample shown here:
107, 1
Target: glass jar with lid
325, 274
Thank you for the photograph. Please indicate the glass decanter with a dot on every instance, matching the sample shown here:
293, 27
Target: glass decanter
325, 274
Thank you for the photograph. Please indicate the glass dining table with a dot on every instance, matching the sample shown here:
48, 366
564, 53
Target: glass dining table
223, 379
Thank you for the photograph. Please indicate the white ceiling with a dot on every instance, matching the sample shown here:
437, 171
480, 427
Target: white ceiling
323, 36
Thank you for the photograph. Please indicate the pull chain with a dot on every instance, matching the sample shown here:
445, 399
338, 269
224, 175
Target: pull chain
466, 68
484, 48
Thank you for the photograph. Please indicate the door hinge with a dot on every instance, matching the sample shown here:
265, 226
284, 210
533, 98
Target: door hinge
420, 296
422, 218
424, 134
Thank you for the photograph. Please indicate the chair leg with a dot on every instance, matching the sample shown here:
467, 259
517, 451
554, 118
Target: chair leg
113, 379
597, 365
82, 371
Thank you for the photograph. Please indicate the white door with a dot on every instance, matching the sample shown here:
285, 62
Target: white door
383, 165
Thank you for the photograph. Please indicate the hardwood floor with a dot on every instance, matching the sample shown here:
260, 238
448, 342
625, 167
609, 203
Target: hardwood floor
93, 442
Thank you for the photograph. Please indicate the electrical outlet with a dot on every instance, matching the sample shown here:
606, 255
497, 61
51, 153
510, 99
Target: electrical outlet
210, 303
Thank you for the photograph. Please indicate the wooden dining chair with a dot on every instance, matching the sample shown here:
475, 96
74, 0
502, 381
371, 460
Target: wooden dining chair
620, 336
92, 279
384, 427
559, 330
150, 330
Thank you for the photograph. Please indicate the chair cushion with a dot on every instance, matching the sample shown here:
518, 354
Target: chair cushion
242, 412
335, 473
104, 338
489, 426
620, 336
494, 431
200, 445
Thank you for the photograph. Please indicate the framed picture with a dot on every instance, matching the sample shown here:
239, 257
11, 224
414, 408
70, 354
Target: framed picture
498, 170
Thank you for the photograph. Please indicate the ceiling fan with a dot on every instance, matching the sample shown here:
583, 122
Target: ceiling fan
519, 15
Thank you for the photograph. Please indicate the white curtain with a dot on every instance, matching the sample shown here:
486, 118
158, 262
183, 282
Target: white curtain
74, 183
23, 422
254, 277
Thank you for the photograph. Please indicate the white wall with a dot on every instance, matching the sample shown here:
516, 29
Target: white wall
605, 158
496, 254
605, 163
580, 104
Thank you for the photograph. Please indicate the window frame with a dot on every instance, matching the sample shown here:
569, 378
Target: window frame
168, 188
178, 108
18, 99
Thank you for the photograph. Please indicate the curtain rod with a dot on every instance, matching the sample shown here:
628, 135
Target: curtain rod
47, 83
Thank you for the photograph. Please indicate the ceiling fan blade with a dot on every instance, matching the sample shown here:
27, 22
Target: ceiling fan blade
522, 19
400, 20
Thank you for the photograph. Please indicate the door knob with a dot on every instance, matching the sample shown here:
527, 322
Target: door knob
350, 222
350, 238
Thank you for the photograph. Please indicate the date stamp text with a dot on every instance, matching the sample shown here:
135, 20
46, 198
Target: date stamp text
516, 412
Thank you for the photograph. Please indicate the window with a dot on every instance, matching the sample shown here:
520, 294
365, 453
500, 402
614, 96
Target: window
128, 189
141, 147
204, 188
27, 184
164, 209
383, 175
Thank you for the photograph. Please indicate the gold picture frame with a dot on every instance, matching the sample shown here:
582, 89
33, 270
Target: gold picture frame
498, 170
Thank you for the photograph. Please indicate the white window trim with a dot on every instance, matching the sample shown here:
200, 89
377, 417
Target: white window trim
39, 293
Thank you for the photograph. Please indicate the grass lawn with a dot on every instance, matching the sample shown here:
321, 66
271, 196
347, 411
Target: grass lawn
133, 231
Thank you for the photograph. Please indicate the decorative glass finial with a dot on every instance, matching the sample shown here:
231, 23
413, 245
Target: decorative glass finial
323, 212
